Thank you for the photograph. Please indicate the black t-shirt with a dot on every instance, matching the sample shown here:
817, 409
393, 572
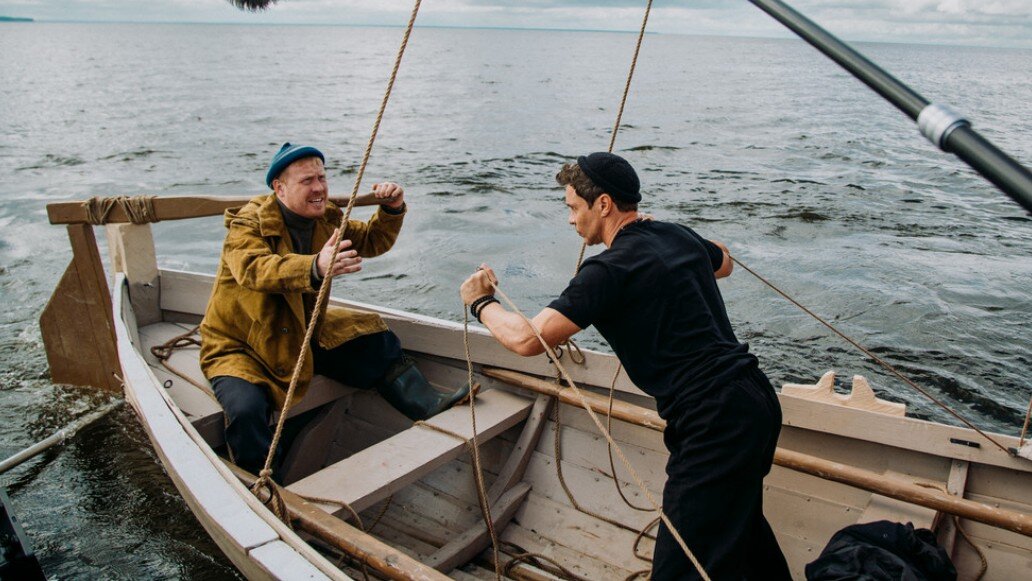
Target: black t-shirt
653, 296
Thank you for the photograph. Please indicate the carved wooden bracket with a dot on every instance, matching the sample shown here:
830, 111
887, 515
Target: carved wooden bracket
862, 397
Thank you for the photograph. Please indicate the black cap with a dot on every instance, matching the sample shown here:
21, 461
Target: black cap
613, 174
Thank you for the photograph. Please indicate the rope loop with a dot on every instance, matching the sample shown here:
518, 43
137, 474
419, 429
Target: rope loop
139, 209
266, 491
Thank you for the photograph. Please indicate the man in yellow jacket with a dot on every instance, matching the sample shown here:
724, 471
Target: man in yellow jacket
277, 251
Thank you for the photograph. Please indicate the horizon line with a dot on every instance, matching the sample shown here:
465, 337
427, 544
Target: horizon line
783, 35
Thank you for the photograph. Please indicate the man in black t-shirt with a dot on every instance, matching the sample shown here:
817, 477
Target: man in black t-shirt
653, 295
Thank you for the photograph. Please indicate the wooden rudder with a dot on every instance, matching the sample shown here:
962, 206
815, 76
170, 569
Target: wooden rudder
77, 326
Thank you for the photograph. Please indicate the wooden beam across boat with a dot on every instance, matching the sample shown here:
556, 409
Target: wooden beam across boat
371, 475
176, 208
857, 477
381, 557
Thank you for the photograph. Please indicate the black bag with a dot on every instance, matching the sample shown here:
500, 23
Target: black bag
882, 550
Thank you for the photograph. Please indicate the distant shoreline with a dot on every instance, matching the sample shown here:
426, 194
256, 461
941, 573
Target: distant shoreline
780, 36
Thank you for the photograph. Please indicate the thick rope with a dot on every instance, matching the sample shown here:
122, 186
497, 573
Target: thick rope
264, 477
139, 209
557, 450
623, 104
598, 423
584, 245
478, 479
1024, 427
609, 448
874, 357
630, 76
485, 507
474, 449
960, 529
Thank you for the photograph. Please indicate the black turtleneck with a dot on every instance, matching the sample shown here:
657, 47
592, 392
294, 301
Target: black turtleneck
299, 228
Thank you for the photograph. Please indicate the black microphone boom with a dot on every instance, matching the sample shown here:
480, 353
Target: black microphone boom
947, 130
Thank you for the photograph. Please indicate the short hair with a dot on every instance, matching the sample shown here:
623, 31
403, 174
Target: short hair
572, 175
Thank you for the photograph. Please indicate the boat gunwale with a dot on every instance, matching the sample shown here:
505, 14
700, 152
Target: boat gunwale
905, 433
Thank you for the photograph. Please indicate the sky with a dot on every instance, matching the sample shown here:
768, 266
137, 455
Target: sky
1006, 23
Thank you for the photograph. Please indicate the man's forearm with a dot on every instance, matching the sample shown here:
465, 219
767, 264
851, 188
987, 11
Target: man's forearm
511, 330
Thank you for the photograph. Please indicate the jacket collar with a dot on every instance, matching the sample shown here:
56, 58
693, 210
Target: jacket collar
270, 219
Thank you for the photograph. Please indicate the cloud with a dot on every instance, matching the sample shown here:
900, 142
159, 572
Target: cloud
977, 22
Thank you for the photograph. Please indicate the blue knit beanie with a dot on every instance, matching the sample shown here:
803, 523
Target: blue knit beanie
613, 174
287, 155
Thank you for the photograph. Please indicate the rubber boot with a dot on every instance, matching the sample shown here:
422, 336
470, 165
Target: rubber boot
405, 388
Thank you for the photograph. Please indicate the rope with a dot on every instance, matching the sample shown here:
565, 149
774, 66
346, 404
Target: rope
641, 535
485, 507
540, 561
264, 477
558, 451
584, 247
623, 104
609, 448
478, 474
630, 75
874, 357
623, 458
1024, 428
956, 523
164, 352
474, 450
139, 209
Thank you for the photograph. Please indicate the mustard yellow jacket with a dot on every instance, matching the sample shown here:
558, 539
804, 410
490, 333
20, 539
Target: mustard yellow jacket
255, 321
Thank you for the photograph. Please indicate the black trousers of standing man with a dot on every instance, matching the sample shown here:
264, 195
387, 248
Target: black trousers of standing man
721, 444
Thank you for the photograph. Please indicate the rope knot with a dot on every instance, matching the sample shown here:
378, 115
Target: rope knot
139, 209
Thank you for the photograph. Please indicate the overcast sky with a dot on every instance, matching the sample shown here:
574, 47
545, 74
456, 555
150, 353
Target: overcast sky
968, 22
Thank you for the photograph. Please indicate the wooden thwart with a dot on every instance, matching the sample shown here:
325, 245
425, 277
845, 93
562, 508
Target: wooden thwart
375, 473
826, 469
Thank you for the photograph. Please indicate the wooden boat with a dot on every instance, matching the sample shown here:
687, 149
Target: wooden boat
841, 460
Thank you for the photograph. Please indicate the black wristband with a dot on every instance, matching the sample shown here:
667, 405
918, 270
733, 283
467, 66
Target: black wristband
394, 211
483, 306
475, 305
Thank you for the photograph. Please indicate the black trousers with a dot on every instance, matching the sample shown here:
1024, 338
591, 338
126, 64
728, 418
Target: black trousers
721, 446
248, 407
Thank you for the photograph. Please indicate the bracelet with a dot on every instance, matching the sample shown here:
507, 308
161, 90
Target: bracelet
483, 306
477, 305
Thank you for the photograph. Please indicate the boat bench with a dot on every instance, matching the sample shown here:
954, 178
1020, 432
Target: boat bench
373, 474
200, 406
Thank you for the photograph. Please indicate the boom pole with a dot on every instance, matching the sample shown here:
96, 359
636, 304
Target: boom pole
949, 131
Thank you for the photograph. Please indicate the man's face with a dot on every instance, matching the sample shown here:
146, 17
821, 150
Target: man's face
587, 221
302, 187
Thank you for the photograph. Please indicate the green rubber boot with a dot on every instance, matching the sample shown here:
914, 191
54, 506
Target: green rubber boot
405, 388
